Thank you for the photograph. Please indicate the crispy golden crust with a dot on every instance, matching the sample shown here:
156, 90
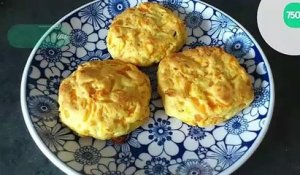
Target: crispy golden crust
145, 34
105, 99
203, 86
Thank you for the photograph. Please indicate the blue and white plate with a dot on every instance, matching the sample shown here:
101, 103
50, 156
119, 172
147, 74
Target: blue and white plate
164, 145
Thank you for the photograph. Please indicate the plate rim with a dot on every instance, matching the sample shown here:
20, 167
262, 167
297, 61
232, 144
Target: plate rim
68, 170
32, 131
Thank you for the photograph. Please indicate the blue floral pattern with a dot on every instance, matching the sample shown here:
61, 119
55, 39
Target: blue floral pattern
194, 167
163, 145
50, 84
236, 125
55, 137
74, 62
198, 20
237, 130
197, 137
86, 154
202, 151
172, 4
220, 25
226, 154
177, 6
238, 45
53, 52
116, 7
129, 141
82, 36
261, 99
97, 55
161, 136
43, 108
113, 168
194, 19
152, 165
126, 158
94, 14
157, 165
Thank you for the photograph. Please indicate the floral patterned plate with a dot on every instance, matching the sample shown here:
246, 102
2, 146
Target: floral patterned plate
164, 145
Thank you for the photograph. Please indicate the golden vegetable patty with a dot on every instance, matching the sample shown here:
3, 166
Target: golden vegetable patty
203, 86
145, 34
105, 99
